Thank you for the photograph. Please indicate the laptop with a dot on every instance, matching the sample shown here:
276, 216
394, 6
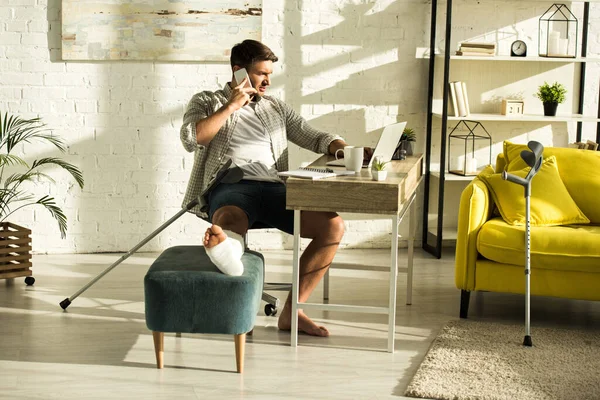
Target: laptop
388, 141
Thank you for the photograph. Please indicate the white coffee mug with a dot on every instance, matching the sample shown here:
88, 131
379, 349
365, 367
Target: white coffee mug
347, 156
356, 159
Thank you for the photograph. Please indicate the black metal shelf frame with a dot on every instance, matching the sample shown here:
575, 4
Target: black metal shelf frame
429, 238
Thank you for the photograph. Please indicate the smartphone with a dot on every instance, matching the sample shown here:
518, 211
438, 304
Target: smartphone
240, 74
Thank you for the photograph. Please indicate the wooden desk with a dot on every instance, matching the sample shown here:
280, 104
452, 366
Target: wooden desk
359, 194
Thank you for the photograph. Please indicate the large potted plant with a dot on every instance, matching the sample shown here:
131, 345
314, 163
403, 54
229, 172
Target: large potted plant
551, 96
15, 176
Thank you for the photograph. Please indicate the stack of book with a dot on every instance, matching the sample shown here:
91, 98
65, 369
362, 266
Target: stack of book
460, 99
477, 49
589, 145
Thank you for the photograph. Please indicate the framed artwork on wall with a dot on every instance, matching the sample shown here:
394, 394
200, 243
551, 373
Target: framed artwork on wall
159, 30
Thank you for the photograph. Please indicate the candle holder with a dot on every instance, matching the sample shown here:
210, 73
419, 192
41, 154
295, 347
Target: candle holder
473, 134
558, 33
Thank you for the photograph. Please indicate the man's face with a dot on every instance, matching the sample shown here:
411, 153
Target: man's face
260, 75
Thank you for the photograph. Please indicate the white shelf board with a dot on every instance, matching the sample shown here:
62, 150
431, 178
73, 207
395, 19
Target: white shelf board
524, 59
453, 177
522, 118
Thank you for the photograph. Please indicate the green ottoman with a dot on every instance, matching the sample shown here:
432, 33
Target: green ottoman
185, 292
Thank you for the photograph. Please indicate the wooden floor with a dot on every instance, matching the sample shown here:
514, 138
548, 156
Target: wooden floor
101, 349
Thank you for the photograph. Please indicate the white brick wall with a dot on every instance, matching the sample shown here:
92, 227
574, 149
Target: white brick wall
349, 66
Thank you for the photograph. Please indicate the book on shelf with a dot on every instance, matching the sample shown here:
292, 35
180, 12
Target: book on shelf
453, 98
466, 98
474, 54
458, 92
589, 145
479, 45
477, 49
314, 173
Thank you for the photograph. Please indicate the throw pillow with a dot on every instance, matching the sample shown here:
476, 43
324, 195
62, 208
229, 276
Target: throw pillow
550, 202
578, 169
488, 170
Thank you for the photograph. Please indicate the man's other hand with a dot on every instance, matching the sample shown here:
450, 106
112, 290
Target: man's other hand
240, 95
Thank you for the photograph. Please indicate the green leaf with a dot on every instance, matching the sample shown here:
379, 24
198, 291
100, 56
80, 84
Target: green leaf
70, 168
56, 212
8, 197
16, 130
10, 160
28, 176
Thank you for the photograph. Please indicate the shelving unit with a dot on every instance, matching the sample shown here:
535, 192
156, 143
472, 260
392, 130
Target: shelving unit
433, 219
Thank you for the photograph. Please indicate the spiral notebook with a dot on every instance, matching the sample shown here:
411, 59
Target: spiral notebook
315, 173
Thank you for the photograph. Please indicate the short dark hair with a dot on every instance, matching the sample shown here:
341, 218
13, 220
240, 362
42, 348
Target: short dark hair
249, 52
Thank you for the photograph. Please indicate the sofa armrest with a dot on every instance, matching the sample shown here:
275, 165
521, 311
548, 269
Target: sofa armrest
475, 209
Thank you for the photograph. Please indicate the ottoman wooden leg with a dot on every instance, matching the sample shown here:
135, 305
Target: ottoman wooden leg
240, 342
159, 348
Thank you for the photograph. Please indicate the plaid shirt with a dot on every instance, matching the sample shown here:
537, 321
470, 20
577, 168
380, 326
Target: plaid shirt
281, 123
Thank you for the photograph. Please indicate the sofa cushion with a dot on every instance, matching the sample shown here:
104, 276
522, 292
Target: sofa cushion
565, 248
578, 169
551, 203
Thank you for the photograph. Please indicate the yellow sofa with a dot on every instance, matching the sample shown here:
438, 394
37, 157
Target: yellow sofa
565, 259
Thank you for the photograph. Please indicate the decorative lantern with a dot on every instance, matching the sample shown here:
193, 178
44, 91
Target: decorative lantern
471, 140
558, 32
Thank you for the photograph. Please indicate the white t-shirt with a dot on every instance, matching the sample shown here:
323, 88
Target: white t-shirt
250, 147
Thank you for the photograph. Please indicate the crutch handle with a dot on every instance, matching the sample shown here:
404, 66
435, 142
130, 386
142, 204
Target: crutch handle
514, 179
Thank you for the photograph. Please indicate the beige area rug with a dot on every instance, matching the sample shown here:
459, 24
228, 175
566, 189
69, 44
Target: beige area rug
486, 360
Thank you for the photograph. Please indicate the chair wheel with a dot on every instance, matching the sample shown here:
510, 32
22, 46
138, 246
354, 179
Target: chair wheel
270, 309
29, 281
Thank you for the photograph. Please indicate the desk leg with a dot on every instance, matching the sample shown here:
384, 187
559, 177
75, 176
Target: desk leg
295, 280
326, 285
411, 247
393, 285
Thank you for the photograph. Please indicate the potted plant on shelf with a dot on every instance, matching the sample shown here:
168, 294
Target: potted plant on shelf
551, 96
406, 141
17, 133
378, 169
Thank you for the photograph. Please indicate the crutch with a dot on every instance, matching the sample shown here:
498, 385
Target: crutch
532, 158
224, 175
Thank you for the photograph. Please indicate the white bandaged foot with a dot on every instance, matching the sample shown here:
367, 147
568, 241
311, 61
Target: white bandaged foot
227, 255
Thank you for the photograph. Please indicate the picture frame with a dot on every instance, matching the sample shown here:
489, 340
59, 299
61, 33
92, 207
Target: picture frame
513, 107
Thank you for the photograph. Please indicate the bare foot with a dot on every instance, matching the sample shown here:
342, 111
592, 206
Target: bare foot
305, 324
213, 236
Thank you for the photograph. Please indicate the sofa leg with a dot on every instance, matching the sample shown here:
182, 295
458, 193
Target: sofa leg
159, 348
240, 342
465, 295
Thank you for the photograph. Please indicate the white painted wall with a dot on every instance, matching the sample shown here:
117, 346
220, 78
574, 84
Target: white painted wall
348, 66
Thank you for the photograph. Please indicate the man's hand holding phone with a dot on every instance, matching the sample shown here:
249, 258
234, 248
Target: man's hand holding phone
243, 92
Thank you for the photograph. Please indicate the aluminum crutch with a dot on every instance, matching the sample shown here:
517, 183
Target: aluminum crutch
224, 175
533, 159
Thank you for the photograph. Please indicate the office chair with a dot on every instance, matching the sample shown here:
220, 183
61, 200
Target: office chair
273, 302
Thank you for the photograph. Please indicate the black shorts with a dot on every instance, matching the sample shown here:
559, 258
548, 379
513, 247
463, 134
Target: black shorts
263, 202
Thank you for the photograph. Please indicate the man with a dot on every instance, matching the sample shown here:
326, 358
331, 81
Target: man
243, 123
